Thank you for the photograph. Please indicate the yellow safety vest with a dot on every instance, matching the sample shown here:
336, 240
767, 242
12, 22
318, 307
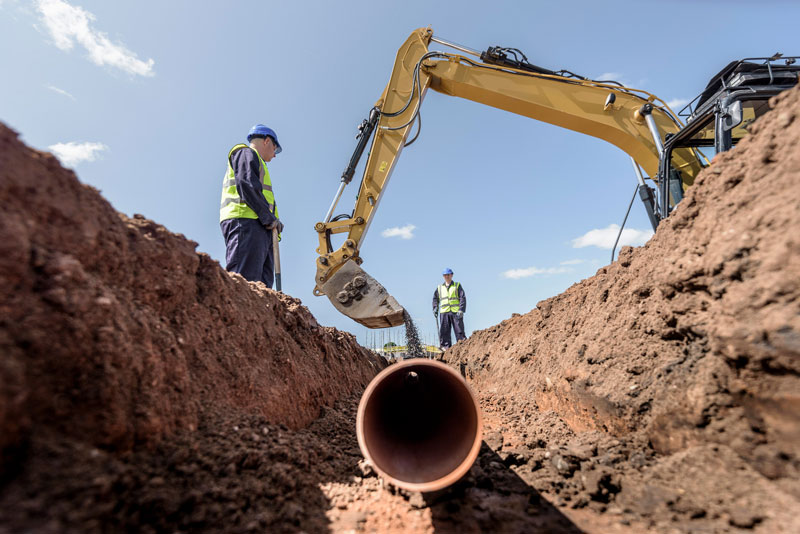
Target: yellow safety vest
448, 298
231, 205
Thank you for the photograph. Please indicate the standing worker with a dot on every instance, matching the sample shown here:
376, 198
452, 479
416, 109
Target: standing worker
247, 213
449, 304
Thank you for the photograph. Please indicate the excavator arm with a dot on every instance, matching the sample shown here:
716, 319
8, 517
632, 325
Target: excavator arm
632, 120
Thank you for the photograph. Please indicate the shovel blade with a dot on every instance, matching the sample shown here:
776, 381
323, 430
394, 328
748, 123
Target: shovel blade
362, 298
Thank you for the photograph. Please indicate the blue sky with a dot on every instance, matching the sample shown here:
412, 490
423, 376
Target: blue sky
144, 99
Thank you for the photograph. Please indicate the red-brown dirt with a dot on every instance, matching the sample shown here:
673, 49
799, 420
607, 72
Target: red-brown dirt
115, 334
672, 374
143, 389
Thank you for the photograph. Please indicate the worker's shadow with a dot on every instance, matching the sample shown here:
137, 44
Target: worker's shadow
493, 498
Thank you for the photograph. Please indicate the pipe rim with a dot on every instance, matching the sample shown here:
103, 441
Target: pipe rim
456, 473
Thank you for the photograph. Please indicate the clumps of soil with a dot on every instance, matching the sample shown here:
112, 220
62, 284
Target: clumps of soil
244, 474
234, 473
664, 389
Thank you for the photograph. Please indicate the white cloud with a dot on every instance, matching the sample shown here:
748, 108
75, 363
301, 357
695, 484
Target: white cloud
609, 76
70, 154
676, 104
619, 78
605, 237
403, 232
59, 91
69, 24
572, 262
516, 274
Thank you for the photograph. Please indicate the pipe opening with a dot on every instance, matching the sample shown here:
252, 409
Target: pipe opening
420, 424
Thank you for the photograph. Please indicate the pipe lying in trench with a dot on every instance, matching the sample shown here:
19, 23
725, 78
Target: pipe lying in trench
419, 425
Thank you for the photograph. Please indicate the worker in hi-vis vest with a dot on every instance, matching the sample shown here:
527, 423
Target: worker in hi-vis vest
247, 212
449, 305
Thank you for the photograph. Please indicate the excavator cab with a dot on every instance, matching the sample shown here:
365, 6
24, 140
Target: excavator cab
719, 117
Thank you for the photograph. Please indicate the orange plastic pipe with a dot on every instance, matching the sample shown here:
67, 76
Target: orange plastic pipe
419, 425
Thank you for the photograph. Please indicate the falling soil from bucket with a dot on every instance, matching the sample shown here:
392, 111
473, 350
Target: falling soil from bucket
412, 337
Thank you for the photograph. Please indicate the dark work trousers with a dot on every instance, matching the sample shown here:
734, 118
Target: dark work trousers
248, 249
447, 320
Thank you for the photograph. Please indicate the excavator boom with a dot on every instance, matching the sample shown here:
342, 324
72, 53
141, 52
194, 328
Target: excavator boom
632, 120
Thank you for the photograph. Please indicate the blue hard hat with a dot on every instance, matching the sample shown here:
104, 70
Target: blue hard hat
259, 130
447, 271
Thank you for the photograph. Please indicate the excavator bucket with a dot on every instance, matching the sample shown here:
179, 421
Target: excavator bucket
362, 298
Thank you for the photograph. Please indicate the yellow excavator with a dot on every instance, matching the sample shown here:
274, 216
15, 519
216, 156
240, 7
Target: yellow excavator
642, 125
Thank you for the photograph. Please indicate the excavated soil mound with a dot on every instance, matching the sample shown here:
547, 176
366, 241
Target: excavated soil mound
116, 335
664, 390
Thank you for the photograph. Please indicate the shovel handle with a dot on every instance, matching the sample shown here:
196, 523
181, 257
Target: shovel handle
276, 256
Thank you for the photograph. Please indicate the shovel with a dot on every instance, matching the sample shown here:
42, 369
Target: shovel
276, 257
436, 331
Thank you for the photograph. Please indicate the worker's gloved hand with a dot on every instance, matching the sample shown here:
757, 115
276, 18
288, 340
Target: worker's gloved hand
436, 313
275, 224
460, 314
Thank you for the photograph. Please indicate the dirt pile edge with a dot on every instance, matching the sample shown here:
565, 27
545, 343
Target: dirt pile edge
114, 330
679, 354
